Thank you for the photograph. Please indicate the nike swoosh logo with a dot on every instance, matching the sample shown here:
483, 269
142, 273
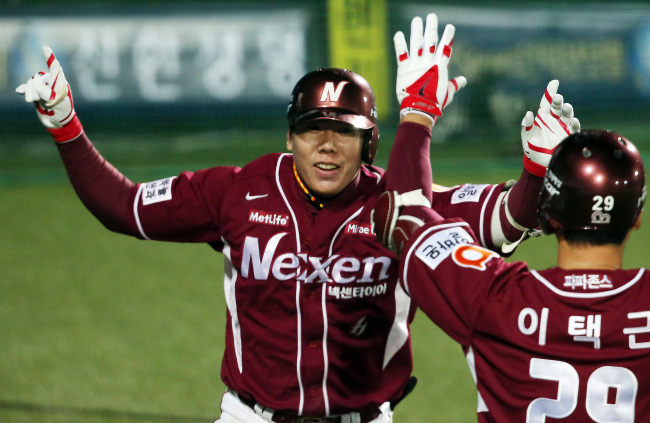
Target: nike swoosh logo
253, 197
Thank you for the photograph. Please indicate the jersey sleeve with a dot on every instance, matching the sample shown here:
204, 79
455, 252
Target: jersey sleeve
183, 208
473, 203
104, 190
408, 164
516, 215
449, 276
500, 215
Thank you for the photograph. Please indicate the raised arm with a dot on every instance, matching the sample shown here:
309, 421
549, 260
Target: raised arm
503, 214
423, 91
102, 188
540, 134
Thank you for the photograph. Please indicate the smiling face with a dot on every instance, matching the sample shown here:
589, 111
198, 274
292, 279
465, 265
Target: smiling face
327, 155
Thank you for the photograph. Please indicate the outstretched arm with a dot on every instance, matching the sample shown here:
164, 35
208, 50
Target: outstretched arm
103, 189
100, 186
540, 134
423, 91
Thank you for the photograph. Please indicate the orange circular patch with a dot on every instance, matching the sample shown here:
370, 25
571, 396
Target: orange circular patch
472, 256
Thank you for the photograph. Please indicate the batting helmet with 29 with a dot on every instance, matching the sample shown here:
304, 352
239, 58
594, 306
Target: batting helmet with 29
595, 180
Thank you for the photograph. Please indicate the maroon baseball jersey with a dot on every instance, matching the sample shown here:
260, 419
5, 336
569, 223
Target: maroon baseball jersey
316, 322
554, 345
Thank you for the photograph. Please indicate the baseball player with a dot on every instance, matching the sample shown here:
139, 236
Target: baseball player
570, 343
316, 325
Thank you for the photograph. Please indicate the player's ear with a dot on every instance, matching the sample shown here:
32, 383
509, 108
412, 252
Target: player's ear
289, 141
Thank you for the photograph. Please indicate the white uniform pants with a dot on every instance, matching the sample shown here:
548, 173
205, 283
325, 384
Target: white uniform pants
235, 411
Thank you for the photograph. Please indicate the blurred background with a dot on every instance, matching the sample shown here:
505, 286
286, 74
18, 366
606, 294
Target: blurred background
97, 327
197, 78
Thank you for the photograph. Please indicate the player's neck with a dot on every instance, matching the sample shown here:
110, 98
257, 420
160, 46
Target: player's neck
606, 257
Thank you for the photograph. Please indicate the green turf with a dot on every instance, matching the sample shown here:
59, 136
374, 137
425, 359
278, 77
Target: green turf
100, 327
95, 320
103, 328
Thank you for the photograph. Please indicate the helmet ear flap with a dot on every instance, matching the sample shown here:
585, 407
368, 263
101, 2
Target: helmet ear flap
370, 144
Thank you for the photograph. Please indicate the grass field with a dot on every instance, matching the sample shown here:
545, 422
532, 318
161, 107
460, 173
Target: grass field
102, 328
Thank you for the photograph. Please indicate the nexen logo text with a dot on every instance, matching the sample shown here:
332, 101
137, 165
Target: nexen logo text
306, 268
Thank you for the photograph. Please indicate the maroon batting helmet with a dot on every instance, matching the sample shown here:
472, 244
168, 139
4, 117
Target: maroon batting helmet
337, 94
595, 180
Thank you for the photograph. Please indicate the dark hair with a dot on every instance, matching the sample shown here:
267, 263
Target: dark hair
588, 237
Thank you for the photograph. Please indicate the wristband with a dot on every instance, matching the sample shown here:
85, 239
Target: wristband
408, 110
422, 104
68, 132
534, 168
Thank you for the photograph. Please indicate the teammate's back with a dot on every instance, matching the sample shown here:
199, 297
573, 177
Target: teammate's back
570, 343
565, 344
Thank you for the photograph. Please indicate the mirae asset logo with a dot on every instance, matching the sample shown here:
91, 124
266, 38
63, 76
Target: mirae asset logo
268, 218
358, 228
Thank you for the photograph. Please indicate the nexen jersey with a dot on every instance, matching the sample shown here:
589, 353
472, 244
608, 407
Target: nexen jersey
314, 316
571, 345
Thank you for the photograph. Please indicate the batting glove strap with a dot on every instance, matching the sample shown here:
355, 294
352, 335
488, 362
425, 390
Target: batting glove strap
422, 104
534, 168
409, 110
68, 132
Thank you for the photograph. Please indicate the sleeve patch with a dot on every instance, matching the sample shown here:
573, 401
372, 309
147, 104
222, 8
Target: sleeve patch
441, 245
473, 256
157, 191
468, 193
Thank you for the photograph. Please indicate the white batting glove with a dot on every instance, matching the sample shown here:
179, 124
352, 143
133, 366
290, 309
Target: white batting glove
423, 84
51, 94
542, 133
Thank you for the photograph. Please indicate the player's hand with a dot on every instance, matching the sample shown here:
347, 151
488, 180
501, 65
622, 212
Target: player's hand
51, 94
423, 84
391, 224
540, 134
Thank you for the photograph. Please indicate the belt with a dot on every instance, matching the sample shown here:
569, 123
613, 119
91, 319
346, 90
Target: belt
284, 417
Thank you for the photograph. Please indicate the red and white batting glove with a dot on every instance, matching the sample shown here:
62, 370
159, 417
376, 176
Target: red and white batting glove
423, 84
391, 224
542, 133
51, 94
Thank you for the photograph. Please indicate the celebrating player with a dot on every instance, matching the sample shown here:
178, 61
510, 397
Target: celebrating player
570, 342
316, 326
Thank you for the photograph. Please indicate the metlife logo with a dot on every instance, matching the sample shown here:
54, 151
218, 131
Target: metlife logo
268, 218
